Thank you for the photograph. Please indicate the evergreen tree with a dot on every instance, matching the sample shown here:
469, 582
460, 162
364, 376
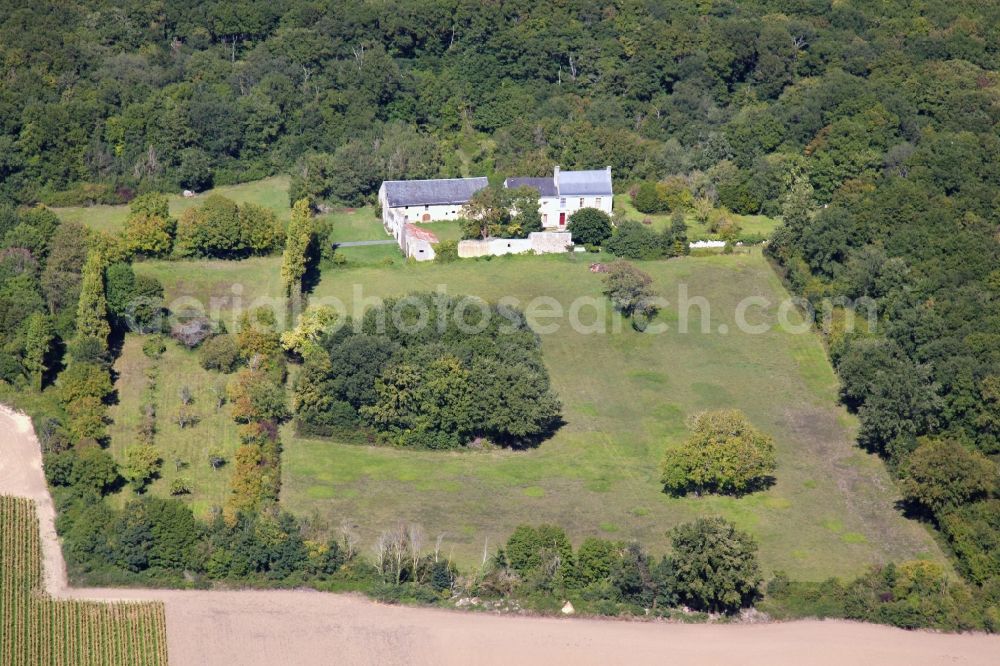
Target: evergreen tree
37, 345
92, 309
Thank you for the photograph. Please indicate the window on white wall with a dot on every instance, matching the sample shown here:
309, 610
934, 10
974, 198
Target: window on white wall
562, 203
597, 202
581, 202
545, 218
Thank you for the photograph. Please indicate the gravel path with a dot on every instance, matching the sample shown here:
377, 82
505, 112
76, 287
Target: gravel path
301, 627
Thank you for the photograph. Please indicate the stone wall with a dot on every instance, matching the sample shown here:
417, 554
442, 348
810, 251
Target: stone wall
542, 242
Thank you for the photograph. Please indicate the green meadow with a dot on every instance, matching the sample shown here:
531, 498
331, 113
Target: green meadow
626, 396
749, 224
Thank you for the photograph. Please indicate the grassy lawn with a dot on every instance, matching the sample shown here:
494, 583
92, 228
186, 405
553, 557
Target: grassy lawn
217, 285
270, 192
445, 230
750, 224
355, 224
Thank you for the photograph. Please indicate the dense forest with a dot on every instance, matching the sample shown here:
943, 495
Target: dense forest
871, 128
100, 99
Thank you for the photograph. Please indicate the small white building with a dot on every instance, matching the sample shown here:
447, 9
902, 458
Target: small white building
567, 192
406, 201
417, 243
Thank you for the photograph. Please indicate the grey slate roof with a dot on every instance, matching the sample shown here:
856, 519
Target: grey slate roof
432, 192
584, 182
546, 186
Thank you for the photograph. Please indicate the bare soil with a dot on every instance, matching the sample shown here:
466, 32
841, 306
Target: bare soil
303, 627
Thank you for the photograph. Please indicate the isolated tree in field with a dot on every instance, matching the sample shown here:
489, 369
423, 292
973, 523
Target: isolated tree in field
590, 226
724, 454
298, 241
702, 210
942, 474
92, 309
219, 353
142, 462
631, 292
714, 565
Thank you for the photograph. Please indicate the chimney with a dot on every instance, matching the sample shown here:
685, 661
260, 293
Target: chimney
555, 178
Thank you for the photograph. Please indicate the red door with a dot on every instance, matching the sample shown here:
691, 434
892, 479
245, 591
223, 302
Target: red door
562, 219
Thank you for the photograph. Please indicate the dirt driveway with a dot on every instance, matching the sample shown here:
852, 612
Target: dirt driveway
301, 627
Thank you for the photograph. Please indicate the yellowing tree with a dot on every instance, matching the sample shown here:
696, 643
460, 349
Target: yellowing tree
298, 241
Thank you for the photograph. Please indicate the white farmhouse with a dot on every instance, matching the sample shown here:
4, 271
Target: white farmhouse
567, 192
406, 201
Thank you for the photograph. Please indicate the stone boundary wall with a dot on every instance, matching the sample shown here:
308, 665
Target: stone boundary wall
542, 242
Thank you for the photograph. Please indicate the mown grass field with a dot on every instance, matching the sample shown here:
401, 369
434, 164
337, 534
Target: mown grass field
749, 224
36, 629
626, 399
270, 192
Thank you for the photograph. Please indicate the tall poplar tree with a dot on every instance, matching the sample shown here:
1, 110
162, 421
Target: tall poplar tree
294, 261
92, 309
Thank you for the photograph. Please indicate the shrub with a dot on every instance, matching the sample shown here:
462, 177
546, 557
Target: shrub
646, 198
219, 353
446, 252
724, 454
715, 565
632, 240
590, 226
180, 486
154, 346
